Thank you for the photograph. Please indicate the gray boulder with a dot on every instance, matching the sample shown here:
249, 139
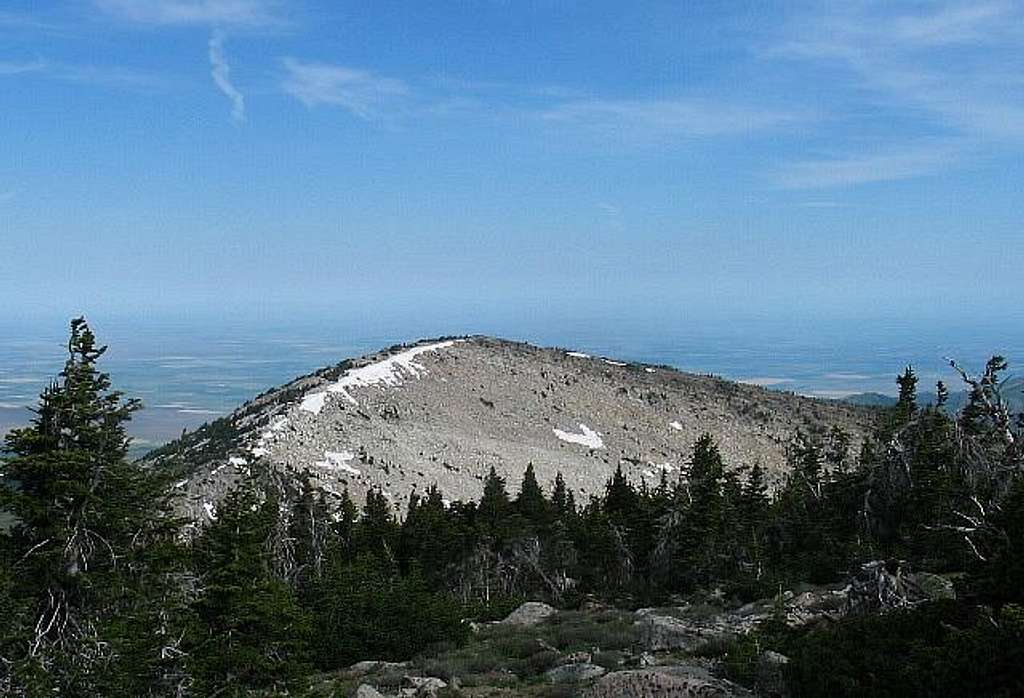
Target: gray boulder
372, 666
574, 673
934, 586
658, 633
529, 614
421, 686
367, 691
681, 681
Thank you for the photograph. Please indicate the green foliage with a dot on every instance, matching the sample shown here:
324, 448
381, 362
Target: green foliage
92, 556
250, 630
366, 611
943, 649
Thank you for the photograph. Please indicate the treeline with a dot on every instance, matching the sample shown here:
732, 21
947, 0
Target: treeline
102, 594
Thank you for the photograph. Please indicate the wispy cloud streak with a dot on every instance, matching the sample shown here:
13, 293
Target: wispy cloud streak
253, 13
20, 68
862, 169
666, 117
362, 93
220, 71
951, 68
108, 76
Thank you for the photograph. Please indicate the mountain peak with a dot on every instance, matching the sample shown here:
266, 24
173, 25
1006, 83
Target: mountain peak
444, 411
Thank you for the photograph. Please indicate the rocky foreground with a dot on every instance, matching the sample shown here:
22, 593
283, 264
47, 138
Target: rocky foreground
600, 652
445, 412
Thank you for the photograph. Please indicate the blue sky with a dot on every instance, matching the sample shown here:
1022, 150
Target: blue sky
849, 158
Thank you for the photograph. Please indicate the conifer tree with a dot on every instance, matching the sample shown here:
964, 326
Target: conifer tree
494, 510
94, 544
906, 405
376, 531
530, 504
250, 631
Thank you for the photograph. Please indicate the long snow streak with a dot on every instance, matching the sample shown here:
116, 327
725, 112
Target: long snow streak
391, 371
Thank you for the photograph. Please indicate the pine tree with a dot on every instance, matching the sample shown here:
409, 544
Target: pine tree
530, 504
906, 405
376, 531
559, 496
494, 512
250, 631
94, 542
620, 498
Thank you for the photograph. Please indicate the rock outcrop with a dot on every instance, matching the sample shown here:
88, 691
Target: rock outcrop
529, 614
680, 681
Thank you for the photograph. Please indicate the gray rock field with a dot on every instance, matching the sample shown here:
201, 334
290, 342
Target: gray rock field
445, 412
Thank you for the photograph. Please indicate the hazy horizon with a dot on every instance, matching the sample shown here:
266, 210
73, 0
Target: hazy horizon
191, 369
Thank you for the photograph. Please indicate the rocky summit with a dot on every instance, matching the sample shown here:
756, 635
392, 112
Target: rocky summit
444, 412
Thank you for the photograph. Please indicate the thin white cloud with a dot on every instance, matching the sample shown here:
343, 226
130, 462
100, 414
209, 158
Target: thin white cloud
862, 169
362, 93
821, 204
657, 118
252, 13
950, 68
109, 76
19, 68
220, 71
18, 21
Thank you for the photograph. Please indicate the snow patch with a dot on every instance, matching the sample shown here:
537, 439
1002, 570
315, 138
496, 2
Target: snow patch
237, 462
648, 369
338, 460
314, 402
179, 485
613, 363
588, 437
211, 511
578, 354
259, 452
390, 371
676, 425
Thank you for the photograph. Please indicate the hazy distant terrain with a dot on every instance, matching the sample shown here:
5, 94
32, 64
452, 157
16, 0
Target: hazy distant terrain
188, 373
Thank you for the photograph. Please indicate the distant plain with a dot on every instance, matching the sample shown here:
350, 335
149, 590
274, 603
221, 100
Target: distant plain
190, 370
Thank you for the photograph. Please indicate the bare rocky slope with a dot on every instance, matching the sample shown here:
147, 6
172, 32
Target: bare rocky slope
445, 411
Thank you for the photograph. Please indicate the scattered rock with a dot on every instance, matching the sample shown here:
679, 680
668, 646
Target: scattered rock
529, 614
934, 586
422, 686
367, 691
581, 657
373, 666
574, 673
682, 681
658, 632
